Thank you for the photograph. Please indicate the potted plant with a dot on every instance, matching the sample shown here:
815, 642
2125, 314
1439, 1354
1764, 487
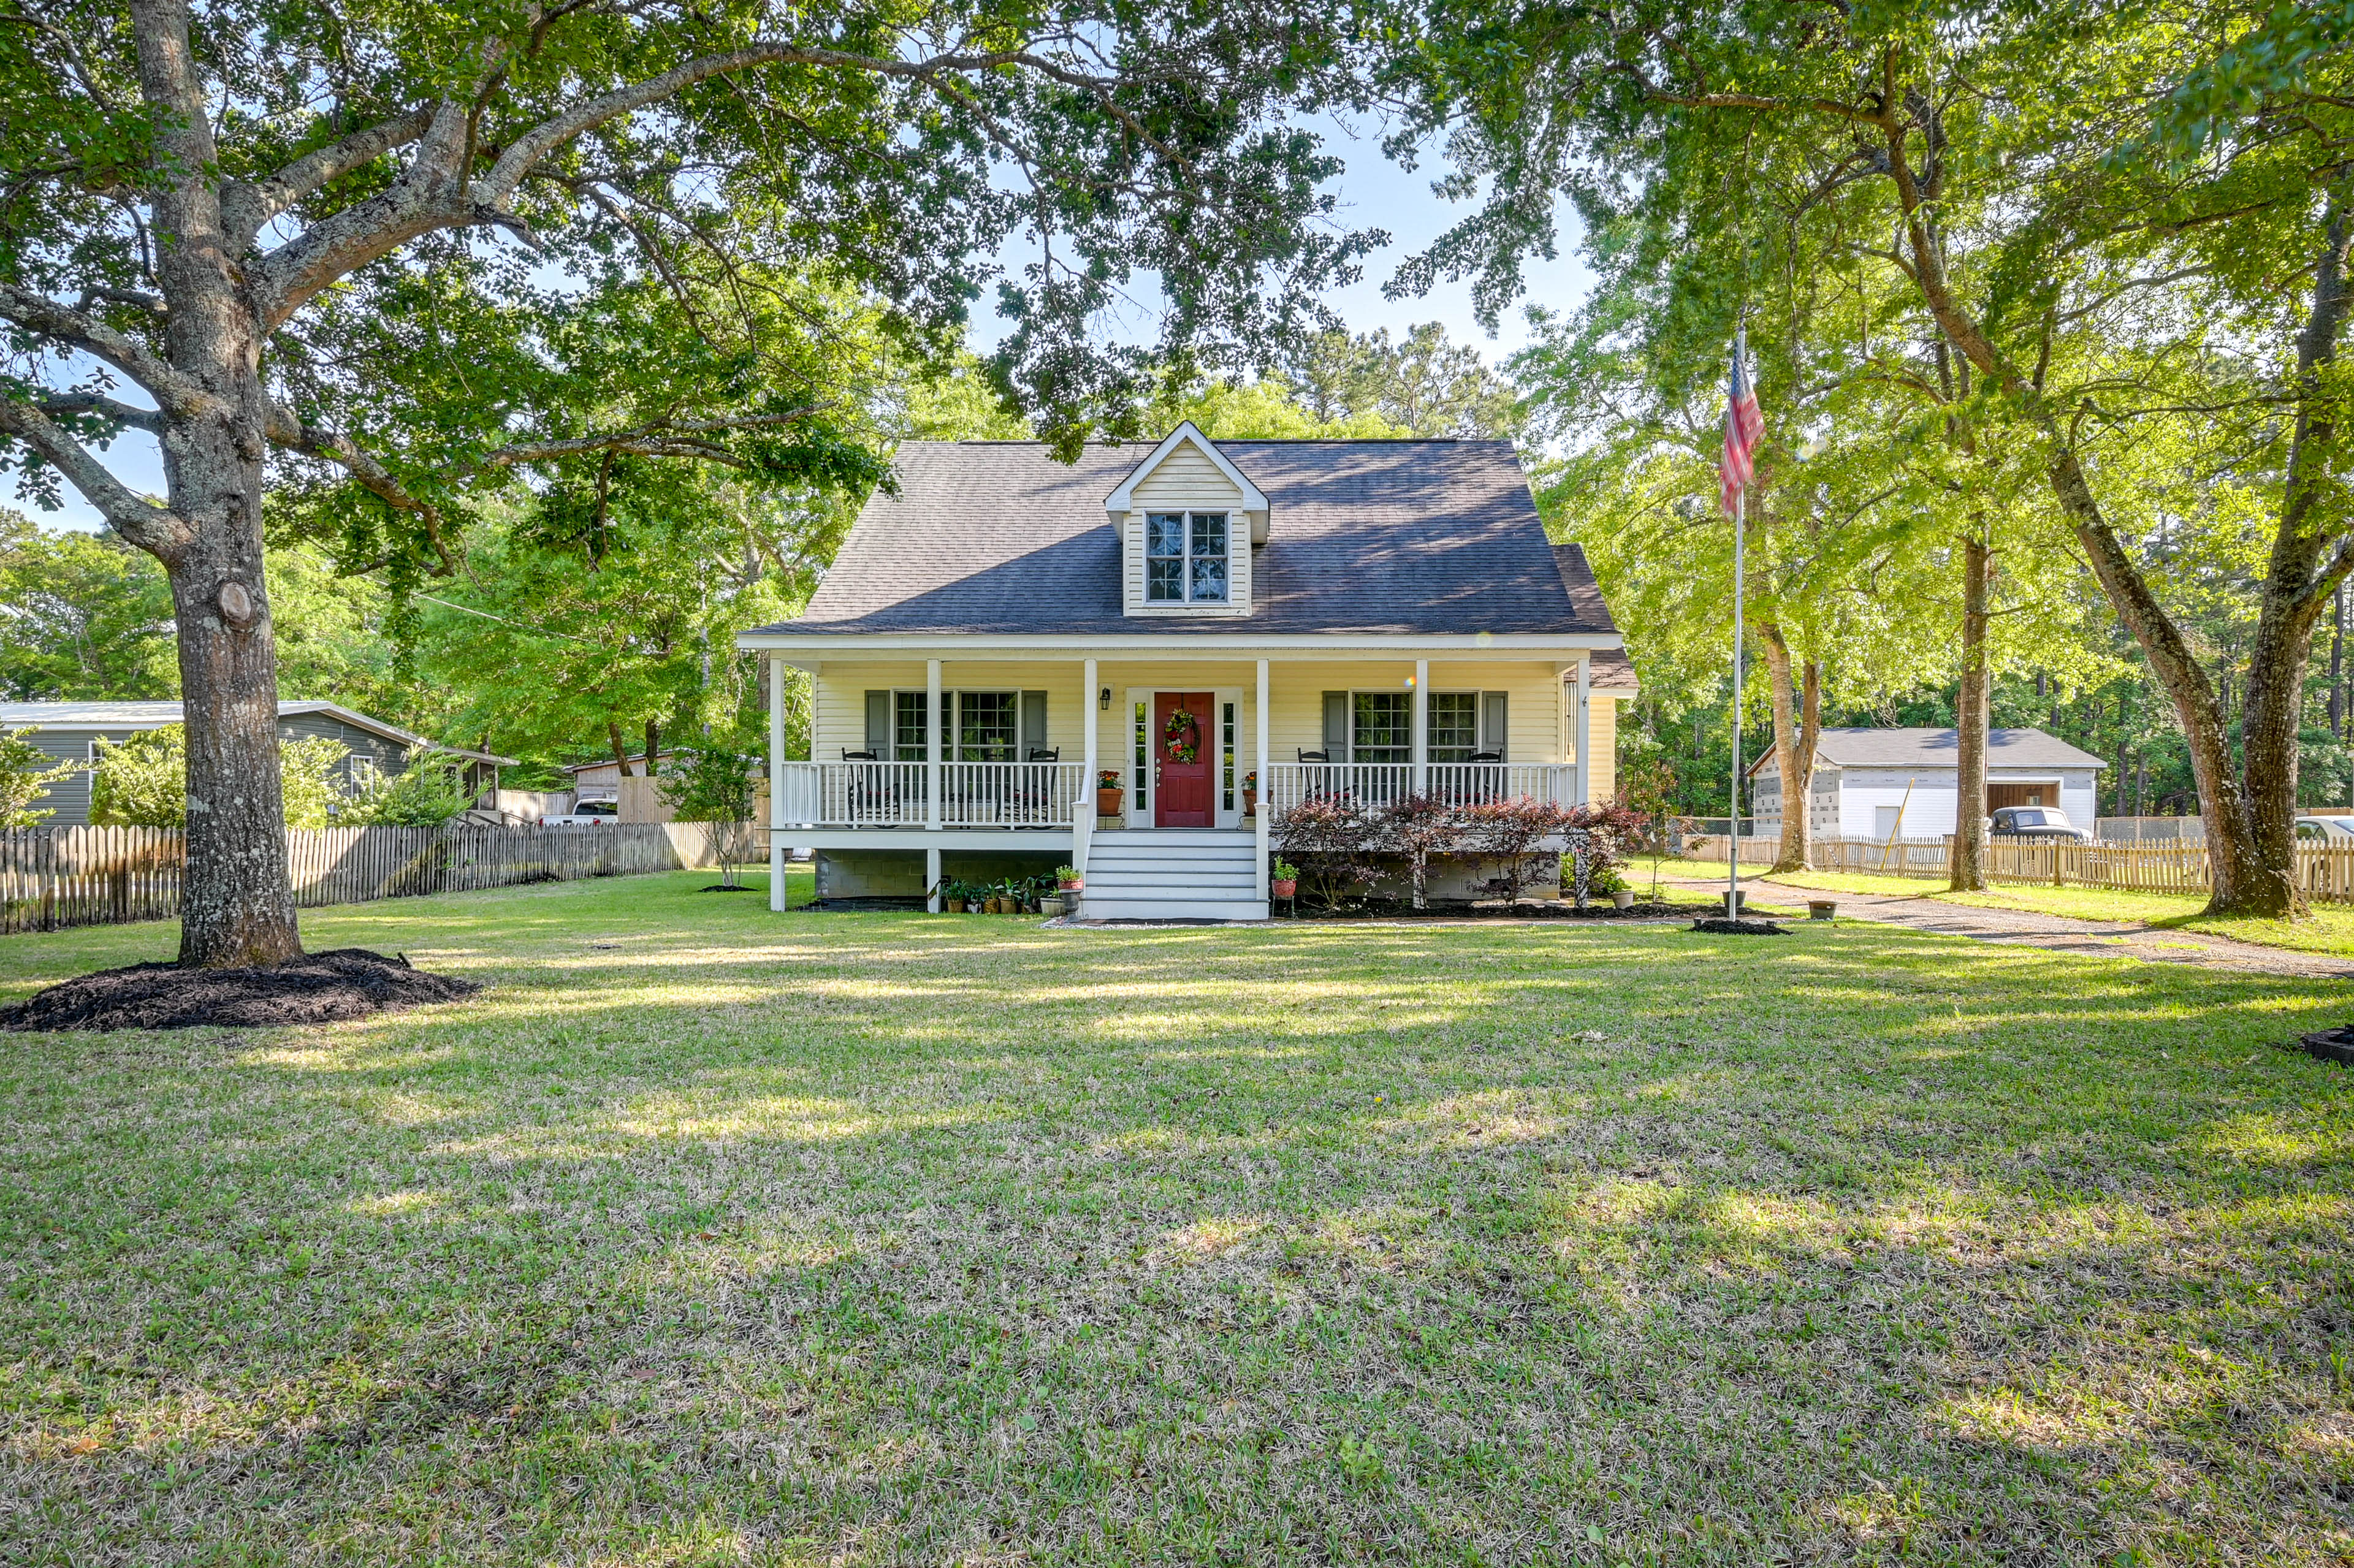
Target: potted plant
952, 896
1250, 793
1284, 882
1068, 880
1108, 793
1607, 880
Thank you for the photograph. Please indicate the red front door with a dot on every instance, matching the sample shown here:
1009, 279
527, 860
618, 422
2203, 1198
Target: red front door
1184, 743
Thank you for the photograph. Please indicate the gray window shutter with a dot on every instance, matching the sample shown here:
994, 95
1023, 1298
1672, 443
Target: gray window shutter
878, 723
1492, 725
1034, 723
1336, 725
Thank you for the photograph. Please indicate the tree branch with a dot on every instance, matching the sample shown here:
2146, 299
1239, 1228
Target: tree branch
156, 529
56, 404
44, 316
370, 475
246, 206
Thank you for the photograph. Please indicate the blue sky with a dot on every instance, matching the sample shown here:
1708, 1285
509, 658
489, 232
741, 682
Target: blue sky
1373, 193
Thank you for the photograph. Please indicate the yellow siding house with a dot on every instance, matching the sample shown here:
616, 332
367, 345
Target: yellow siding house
1137, 663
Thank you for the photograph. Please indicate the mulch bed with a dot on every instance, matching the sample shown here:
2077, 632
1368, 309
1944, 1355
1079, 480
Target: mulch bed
317, 987
1718, 925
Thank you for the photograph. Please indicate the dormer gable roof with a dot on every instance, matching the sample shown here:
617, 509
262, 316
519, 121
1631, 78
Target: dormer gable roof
1122, 500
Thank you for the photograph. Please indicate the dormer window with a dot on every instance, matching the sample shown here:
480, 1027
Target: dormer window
1185, 558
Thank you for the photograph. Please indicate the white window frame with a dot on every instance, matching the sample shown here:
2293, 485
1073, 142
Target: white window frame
1430, 745
952, 712
1187, 520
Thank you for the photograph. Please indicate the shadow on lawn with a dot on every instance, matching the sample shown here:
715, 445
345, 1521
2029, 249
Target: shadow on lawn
1317, 1245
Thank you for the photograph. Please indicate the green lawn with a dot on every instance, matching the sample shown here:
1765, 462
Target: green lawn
710, 1236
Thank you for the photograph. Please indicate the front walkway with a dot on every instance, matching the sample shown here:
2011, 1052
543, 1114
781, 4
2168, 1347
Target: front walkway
2056, 933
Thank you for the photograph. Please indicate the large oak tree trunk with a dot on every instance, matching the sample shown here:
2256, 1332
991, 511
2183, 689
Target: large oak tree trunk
2297, 587
1797, 726
2245, 876
1968, 869
237, 903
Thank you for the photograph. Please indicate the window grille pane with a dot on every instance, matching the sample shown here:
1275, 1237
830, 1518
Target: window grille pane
1454, 725
908, 727
1143, 770
1164, 580
1210, 578
1209, 532
1383, 728
1164, 534
985, 724
1226, 726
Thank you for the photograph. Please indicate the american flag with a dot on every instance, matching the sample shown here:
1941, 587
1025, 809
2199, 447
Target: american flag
1743, 424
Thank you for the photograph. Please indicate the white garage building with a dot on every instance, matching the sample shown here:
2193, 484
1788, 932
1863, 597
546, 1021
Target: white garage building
1879, 783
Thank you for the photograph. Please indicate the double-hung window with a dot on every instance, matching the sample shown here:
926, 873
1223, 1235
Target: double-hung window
1454, 725
1185, 558
908, 727
986, 724
1382, 728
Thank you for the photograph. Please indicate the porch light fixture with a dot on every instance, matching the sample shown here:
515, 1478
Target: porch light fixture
1103, 698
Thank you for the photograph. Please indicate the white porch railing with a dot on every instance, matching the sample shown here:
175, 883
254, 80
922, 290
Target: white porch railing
1009, 794
892, 794
852, 795
1469, 783
1372, 785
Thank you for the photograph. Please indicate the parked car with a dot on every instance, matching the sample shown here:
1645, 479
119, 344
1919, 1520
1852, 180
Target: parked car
2037, 823
2325, 830
586, 814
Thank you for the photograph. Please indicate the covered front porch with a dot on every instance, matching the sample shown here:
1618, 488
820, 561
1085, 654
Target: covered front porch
1193, 762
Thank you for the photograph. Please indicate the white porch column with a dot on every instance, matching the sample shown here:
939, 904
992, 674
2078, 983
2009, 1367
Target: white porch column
1422, 726
933, 729
1266, 779
1581, 720
932, 879
1083, 810
776, 783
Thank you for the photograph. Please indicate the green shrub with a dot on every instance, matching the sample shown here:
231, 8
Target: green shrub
427, 793
143, 782
26, 775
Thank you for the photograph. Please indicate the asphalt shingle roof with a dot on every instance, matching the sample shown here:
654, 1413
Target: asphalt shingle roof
1366, 537
1864, 747
136, 715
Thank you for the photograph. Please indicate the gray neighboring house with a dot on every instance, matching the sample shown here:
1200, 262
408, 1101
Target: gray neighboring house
1862, 776
70, 733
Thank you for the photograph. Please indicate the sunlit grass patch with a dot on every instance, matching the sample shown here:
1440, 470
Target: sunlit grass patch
712, 1235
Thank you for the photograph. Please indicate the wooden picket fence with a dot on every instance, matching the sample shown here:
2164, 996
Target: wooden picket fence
2324, 872
51, 878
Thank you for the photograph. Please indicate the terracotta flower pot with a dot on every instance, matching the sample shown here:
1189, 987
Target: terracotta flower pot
1250, 802
1284, 887
1108, 802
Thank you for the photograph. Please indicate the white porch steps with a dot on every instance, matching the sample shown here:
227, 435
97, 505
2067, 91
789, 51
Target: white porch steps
1173, 873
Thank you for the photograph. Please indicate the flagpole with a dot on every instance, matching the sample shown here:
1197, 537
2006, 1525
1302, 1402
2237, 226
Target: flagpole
1733, 839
